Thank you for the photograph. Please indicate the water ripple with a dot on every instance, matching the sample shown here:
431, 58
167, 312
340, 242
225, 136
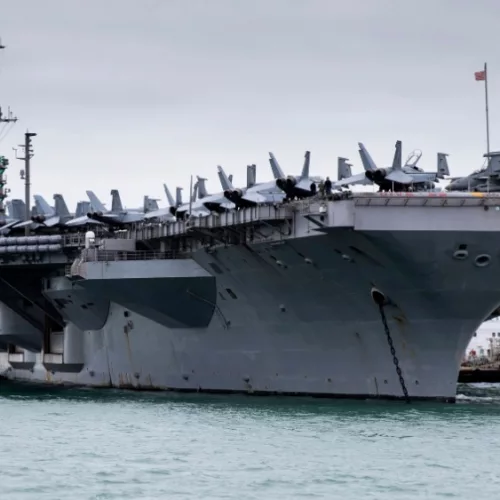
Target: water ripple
85, 444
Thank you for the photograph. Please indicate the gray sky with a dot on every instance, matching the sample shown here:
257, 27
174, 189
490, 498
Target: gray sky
129, 94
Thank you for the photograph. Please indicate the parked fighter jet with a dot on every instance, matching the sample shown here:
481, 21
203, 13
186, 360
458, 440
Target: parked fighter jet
295, 186
181, 209
164, 214
60, 214
214, 202
16, 211
206, 203
116, 217
40, 212
253, 194
394, 178
344, 170
482, 180
82, 208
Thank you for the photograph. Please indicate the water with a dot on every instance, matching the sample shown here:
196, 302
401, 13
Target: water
91, 444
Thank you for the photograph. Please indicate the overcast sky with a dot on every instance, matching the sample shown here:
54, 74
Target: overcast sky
129, 94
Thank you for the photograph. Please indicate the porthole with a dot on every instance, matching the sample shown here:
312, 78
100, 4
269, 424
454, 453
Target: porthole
461, 254
482, 260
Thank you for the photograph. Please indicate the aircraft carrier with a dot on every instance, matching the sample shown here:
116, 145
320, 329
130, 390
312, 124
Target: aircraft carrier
363, 295
282, 287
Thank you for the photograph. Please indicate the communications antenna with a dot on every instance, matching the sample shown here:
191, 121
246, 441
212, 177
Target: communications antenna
6, 119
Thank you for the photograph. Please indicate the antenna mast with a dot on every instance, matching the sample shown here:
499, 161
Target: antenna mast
26, 174
9, 118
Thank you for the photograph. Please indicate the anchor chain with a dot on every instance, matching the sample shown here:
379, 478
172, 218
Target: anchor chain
393, 352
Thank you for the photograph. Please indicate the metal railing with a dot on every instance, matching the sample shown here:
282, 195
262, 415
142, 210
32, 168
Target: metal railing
96, 255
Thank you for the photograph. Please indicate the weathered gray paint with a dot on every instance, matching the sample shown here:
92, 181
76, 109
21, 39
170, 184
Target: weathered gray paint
300, 314
15, 329
176, 294
75, 304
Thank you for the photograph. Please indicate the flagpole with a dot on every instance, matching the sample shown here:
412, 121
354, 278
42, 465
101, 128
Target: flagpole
487, 112
487, 119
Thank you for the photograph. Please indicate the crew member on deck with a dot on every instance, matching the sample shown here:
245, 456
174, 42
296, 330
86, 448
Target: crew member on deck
322, 188
328, 186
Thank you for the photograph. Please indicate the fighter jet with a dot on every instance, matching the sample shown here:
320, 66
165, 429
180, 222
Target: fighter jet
59, 216
206, 203
16, 211
165, 214
214, 202
181, 209
117, 217
82, 208
40, 212
344, 170
483, 180
394, 178
253, 194
295, 186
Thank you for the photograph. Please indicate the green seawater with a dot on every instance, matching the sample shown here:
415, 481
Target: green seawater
102, 444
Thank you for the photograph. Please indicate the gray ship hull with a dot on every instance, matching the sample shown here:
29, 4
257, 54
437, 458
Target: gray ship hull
291, 317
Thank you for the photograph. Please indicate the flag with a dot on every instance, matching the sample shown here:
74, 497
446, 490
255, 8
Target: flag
480, 76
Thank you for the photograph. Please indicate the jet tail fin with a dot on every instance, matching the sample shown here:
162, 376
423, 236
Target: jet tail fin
275, 167
305, 168
60, 206
168, 194
251, 175
96, 203
178, 196
343, 169
42, 207
18, 209
397, 161
116, 202
493, 163
149, 204
202, 188
442, 165
82, 208
230, 177
366, 159
225, 181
